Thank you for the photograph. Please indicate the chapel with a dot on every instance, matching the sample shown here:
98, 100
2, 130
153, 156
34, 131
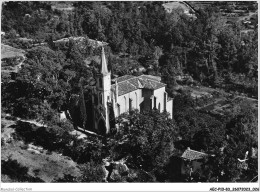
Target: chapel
123, 94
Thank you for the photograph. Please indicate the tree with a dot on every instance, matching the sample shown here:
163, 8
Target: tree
230, 44
210, 135
145, 139
204, 43
183, 102
43, 68
17, 172
92, 172
21, 98
241, 137
202, 131
243, 127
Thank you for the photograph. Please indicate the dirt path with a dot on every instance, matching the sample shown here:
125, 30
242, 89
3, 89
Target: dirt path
213, 103
33, 122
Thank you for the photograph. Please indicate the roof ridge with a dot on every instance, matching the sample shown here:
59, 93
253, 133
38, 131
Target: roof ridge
143, 75
126, 79
139, 84
196, 151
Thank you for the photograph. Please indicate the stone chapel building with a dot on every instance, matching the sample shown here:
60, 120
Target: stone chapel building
129, 92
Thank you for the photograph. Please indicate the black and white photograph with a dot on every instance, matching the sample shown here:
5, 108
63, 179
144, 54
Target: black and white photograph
129, 92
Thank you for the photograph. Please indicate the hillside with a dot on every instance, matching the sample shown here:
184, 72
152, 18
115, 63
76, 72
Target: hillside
98, 91
25, 162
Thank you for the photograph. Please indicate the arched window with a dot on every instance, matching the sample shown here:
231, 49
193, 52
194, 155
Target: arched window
125, 105
164, 101
154, 103
96, 99
136, 101
101, 98
100, 83
130, 104
118, 109
159, 107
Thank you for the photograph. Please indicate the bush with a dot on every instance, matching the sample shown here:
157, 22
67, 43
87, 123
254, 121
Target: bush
24, 146
17, 172
55, 138
11, 118
83, 152
2, 141
92, 172
66, 125
66, 179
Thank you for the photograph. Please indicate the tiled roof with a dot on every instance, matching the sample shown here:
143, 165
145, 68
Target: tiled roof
193, 155
124, 78
125, 87
149, 83
129, 83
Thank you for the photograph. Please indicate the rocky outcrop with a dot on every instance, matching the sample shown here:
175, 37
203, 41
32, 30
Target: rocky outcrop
120, 170
115, 170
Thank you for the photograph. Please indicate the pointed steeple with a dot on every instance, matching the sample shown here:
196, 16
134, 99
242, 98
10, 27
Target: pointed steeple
104, 69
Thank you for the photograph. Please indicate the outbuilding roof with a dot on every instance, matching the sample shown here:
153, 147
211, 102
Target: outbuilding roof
191, 155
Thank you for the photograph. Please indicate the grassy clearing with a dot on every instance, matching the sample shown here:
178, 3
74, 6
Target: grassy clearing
9, 52
35, 165
45, 166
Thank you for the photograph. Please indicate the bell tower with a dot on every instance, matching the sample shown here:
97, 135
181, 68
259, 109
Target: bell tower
101, 98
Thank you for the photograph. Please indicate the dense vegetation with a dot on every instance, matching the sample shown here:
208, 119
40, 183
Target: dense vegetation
206, 48
165, 44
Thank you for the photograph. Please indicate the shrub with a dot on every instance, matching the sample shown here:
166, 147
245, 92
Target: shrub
11, 118
24, 146
66, 125
17, 172
92, 172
